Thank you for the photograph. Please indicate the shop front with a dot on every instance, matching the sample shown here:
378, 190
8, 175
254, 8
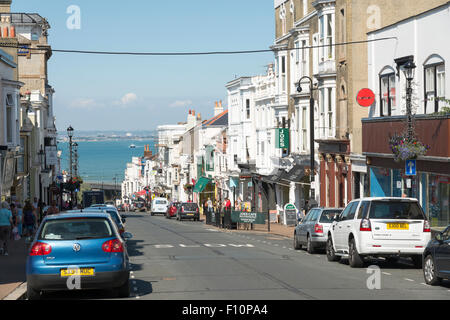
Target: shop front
388, 178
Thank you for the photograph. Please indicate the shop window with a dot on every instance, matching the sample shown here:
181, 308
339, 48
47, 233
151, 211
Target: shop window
439, 197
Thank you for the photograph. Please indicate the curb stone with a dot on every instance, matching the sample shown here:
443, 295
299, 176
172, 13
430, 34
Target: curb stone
18, 294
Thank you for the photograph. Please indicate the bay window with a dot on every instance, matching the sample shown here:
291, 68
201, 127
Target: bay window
326, 37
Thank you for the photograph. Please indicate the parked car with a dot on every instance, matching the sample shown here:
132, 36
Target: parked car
436, 259
159, 205
115, 216
87, 244
379, 227
188, 210
140, 206
313, 229
172, 210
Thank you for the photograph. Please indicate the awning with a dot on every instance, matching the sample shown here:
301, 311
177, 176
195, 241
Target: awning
201, 184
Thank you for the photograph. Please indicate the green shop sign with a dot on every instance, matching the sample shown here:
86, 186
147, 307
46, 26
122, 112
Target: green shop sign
282, 138
248, 217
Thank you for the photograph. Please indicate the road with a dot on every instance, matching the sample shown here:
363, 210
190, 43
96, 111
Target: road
188, 260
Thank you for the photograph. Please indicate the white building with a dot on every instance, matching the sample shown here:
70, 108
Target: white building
133, 181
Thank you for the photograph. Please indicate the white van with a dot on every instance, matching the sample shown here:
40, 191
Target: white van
159, 205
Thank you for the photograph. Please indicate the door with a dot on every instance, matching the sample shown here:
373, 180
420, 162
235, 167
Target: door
347, 224
304, 225
337, 228
442, 255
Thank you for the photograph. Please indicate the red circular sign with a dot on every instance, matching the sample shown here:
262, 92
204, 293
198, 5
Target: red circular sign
365, 97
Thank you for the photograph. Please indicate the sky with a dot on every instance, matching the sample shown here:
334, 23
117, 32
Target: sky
97, 92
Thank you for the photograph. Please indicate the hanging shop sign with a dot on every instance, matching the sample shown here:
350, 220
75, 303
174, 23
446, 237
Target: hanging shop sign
282, 138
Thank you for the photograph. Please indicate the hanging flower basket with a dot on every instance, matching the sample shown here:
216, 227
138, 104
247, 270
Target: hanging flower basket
405, 150
73, 184
188, 186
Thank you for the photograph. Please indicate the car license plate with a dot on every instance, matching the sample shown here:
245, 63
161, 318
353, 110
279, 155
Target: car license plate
190, 214
77, 272
398, 226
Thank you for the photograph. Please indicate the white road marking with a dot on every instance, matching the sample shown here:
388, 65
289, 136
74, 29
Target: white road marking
137, 297
387, 273
409, 279
425, 284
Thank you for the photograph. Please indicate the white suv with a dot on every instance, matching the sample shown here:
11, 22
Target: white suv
159, 205
379, 227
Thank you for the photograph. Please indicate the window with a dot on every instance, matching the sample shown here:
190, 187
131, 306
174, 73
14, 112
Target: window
322, 37
322, 111
304, 129
297, 51
304, 58
10, 121
434, 86
351, 214
387, 94
326, 34
330, 111
283, 74
362, 212
404, 210
345, 212
329, 36
247, 107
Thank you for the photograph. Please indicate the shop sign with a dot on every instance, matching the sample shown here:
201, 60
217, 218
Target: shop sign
248, 217
282, 138
410, 167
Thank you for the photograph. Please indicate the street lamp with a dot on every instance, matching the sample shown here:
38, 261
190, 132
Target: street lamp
70, 134
408, 70
311, 126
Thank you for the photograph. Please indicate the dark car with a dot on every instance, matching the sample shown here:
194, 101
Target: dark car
188, 210
140, 206
113, 212
84, 244
436, 259
172, 210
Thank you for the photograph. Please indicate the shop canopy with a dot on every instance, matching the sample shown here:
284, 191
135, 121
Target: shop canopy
201, 184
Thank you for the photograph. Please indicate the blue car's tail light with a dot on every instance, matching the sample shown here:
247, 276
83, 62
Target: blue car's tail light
114, 245
40, 249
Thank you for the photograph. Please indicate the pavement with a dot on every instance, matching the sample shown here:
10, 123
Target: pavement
12, 268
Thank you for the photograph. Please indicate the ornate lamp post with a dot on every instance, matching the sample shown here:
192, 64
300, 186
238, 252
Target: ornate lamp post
408, 70
311, 129
70, 135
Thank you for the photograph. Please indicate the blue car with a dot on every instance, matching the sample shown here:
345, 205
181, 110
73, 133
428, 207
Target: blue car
77, 251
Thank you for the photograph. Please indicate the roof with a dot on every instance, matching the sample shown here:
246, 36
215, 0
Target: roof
78, 214
385, 198
219, 120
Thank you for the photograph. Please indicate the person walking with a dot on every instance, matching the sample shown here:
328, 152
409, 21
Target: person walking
29, 219
5, 226
209, 204
53, 209
19, 219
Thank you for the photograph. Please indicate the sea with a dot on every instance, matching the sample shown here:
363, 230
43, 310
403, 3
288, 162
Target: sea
105, 160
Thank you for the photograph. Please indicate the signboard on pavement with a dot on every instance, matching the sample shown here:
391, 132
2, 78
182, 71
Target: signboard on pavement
248, 217
290, 215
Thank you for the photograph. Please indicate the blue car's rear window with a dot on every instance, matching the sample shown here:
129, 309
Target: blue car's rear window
76, 229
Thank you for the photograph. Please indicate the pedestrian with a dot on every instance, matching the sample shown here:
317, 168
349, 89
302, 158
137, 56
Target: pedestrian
53, 209
5, 226
210, 205
19, 219
29, 220
13, 209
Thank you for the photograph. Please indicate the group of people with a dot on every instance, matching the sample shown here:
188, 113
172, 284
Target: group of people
17, 220
210, 206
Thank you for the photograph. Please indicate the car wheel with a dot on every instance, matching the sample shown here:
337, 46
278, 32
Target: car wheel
297, 246
354, 259
178, 218
124, 290
309, 246
32, 294
417, 261
151, 213
331, 254
429, 272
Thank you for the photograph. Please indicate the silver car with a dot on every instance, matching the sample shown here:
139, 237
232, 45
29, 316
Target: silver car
313, 229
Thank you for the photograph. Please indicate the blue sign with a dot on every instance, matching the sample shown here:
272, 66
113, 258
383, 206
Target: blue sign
410, 167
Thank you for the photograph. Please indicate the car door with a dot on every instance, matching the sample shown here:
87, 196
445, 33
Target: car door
338, 228
305, 226
442, 254
348, 223
301, 227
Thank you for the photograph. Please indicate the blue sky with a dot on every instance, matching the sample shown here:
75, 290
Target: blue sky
129, 92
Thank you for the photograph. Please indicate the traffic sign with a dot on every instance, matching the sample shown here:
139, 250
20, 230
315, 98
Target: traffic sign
410, 167
365, 97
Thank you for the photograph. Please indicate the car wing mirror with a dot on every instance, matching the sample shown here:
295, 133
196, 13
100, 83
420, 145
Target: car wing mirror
440, 238
124, 220
127, 235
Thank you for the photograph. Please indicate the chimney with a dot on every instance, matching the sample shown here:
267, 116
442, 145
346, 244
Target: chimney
218, 108
5, 6
199, 117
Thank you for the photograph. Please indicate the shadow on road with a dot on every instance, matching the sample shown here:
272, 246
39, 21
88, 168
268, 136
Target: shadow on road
142, 287
134, 249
